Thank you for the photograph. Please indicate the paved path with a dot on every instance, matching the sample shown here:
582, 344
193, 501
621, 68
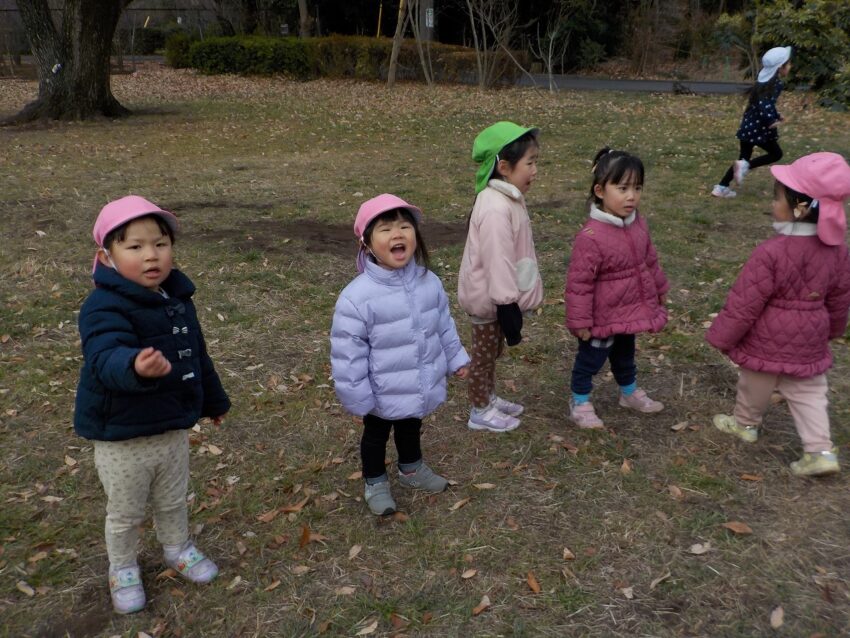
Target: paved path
581, 83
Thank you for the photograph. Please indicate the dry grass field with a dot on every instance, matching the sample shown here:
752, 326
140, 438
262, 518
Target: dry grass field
567, 533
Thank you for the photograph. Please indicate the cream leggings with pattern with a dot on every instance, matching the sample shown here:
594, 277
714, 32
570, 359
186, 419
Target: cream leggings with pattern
133, 472
488, 343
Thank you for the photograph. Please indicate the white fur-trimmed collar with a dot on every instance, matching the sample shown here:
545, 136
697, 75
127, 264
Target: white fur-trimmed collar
607, 218
505, 188
795, 229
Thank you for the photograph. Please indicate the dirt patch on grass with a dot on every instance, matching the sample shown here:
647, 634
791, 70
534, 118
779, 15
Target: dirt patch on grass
278, 236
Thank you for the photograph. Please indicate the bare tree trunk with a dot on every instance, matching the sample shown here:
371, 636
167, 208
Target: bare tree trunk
73, 63
417, 35
399, 34
303, 19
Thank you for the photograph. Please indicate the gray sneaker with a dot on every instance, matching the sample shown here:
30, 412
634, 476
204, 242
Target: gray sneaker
379, 499
424, 478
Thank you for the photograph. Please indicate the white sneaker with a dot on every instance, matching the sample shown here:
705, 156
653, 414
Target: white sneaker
491, 419
506, 407
740, 170
723, 191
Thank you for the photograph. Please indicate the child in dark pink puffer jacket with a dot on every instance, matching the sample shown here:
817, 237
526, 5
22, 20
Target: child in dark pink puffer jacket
790, 299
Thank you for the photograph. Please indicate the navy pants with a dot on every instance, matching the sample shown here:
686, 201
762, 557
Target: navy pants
590, 359
373, 444
772, 153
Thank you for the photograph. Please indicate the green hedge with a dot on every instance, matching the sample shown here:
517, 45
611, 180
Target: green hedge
177, 50
333, 56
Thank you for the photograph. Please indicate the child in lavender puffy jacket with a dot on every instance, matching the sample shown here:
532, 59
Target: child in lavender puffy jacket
790, 299
393, 343
615, 287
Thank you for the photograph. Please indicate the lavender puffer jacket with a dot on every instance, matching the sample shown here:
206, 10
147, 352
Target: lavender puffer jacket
393, 343
790, 299
614, 280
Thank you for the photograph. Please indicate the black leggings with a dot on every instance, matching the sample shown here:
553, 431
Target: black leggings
373, 444
772, 153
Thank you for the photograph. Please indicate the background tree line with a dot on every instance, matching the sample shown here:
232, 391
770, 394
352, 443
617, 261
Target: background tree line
73, 39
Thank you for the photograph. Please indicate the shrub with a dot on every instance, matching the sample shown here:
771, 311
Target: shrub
819, 31
334, 56
177, 50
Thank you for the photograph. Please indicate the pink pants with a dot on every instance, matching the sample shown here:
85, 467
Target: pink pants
806, 399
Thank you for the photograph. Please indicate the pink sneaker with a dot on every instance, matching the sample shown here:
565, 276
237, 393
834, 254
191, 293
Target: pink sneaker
125, 587
584, 416
639, 400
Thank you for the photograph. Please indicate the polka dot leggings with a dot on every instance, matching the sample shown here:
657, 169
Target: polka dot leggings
154, 468
488, 343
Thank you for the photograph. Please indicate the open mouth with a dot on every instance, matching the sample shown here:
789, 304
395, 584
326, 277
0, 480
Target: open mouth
398, 250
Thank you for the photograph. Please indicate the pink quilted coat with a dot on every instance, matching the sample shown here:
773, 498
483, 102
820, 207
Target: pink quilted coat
790, 299
614, 280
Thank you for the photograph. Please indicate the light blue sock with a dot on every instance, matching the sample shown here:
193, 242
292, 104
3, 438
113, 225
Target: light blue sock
383, 478
580, 399
409, 468
627, 390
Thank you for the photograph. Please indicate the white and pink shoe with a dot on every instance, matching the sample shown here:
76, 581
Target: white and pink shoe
639, 400
584, 416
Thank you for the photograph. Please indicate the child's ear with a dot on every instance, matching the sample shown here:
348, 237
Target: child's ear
103, 258
801, 210
503, 167
598, 190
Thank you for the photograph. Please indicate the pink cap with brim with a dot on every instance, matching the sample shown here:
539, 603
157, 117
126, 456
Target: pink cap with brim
123, 210
369, 210
826, 178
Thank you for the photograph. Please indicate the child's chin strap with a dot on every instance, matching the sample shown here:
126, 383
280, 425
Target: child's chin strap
109, 257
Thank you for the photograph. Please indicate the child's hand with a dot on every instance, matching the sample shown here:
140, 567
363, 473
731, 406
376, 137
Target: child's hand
583, 333
662, 299
462, 373
151, 364
218, 420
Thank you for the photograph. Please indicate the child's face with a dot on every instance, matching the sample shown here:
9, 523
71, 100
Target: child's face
781, 210
393, 243
524, 172
144, 257
620, 199
785, 69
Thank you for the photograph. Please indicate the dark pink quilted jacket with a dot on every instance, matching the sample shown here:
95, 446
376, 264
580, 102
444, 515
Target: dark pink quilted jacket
614, 280
790, 299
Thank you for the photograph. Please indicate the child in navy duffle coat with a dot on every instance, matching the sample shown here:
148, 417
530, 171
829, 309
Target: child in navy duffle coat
145, 380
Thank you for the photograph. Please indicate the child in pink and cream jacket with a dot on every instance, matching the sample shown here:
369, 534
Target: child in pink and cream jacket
615, 287
790, 299
498, 279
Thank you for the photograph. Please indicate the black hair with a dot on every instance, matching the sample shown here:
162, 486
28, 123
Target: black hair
421, 253
613, 166
761, 90
794, 198
514, 152
118, 234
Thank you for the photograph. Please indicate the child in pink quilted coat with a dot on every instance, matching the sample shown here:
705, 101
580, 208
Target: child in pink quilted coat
790, 299
615, 287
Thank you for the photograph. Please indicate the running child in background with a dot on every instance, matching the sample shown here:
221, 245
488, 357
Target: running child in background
499, 278
615, 287
759, 125
790, 299
393, 343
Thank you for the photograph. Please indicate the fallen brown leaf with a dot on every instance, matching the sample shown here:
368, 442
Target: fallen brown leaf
510, 521
469, 573
269, 516
777, 617
484, 604
290, 509
626, 467
459, 504
483, 486
738, 527
532, 582
752, 477
675, 492
354, 551
659, 580
368, 629
25, 588
272, 585
699, 549
568, 555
